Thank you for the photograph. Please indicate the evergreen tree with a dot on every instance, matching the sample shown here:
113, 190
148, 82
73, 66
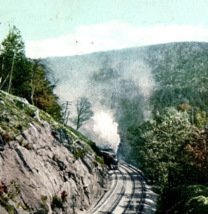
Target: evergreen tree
14, 63
26, 77
41, 90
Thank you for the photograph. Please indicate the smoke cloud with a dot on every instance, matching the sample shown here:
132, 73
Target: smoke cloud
106, 130
118, 84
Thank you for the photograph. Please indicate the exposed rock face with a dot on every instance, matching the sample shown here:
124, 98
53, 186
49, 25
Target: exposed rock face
38, 168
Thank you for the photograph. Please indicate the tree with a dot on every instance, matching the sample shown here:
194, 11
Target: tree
40, 90
83, 111
26, 77
161, 145
13, 62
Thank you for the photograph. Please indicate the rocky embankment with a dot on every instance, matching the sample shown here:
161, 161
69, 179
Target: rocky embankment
45, 167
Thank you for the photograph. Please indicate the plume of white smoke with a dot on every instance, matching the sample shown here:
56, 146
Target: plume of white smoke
142, 76
106, 130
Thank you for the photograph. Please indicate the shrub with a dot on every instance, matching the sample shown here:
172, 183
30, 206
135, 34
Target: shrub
95, 163
100, 160
4, 200
28, 146
6, 138
3, 188
56, 202
63, 195
79, 153
24, 206
19, 127
44, 199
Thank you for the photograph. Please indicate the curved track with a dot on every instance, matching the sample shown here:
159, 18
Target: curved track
127, 192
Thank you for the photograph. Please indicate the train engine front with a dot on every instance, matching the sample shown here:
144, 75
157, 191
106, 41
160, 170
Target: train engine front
110, 159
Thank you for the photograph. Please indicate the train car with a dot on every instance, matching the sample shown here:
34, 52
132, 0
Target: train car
110, 159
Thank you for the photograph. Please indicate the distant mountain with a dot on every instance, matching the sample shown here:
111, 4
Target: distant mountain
130, 83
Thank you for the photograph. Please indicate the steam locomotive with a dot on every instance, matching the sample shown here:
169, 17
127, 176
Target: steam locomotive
110, 159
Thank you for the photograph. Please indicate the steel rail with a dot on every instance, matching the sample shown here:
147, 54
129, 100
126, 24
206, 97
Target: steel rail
118, 199
97, 207
140, 176
133, 191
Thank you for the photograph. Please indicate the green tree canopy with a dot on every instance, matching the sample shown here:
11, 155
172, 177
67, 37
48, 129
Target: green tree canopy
161, 146
26, 77
14, 63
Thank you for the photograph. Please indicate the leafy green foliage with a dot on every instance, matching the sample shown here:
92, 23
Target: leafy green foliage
24, 206
11, 193
14, 191
79, 152
45, 206
41, 94
161, 147
99, 160
14, 63
56, 202
187, 199
182, 76
5, 204
32, 74
200, 118
173, 153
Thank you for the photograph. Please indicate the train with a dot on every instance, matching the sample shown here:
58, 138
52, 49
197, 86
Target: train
110, 159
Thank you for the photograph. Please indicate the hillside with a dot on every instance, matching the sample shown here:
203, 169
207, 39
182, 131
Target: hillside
45, 167
130, 83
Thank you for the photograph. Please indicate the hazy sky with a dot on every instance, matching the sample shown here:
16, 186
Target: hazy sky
71, 27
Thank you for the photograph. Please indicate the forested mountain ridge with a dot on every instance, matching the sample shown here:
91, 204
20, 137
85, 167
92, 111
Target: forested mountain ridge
152, 100
135, 81
158, 96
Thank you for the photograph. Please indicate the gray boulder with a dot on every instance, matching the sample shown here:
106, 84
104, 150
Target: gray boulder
37, 168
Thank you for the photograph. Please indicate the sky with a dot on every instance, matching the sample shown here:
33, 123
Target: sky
74, 27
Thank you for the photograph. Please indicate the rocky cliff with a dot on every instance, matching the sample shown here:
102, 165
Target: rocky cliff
45, 167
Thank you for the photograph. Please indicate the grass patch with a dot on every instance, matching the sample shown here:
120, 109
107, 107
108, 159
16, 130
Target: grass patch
5, 204
95, 163
79, 152
14, 191
20, 115
24, 206
45, 206
100, 160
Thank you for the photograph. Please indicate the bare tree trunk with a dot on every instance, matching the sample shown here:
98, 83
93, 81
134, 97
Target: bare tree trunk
32, 93
78, 121
31, 83
4, 82
2, 65
10, 79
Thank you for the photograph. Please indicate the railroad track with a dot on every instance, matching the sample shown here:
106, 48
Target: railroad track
128, 185
104, 199
136, 206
